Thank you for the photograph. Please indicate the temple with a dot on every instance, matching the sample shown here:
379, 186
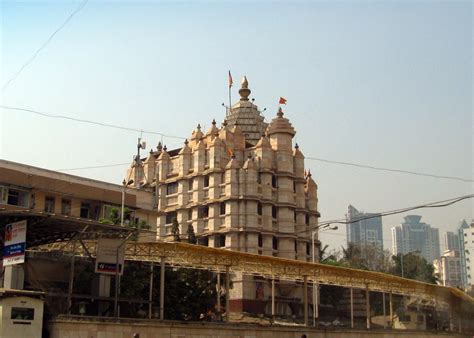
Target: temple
242, 186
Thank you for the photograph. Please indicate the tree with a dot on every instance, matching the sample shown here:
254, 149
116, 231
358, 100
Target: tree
414, 267
175, 231
367, 257
191, 235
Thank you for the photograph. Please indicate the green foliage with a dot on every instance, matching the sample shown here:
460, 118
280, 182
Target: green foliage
366, 257
175, 231
189, 293
114, 216
414, 267
191, 234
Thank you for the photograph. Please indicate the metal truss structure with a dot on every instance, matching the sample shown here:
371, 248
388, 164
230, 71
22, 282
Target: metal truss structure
195, 256
46, 228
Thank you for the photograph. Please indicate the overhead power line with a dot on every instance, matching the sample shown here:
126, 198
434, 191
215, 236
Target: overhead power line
389, 169
35, 54
108, 125
95, 167
366, 166
438, 204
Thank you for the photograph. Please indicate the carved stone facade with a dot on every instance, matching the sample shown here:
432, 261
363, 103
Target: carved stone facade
242, 186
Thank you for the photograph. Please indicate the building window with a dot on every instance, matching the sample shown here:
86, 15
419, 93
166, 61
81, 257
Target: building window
191, 184
223, 177
203, 241
172, 188
219, 241
274, 243
203, 212
206, 181
171, 217
308, 249
260, 241
274, 212
65, 207
294, 216
274, 181
259, 209
296, 246
307, 219
49, 204
259, 177
294, 187
85, 210
190, 214
22, 313
14, 197
222, 206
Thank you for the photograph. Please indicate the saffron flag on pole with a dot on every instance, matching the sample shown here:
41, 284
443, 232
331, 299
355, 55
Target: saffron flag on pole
231, 82
282, 100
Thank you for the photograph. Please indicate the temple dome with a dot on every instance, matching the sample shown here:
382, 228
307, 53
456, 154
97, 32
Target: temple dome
247, 116
280, 125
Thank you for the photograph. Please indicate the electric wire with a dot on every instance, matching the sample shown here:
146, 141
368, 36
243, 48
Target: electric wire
389, 169
366, 166
50, 38
438, 204
108, 125
95, 167
386, 240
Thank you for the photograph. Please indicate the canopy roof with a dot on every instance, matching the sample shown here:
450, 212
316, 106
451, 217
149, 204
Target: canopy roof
196, 256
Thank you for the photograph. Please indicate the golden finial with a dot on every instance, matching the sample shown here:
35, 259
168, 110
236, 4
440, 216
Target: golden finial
244, 90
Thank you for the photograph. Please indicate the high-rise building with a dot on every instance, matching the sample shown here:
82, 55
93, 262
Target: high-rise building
448, 268
412, 235
242, 186
364, 228
466, 243
451, 241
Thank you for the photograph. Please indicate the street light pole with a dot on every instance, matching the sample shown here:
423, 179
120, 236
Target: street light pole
315, 285
117, 276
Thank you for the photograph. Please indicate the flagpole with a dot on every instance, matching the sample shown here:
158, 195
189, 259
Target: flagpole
231, 82
230, 101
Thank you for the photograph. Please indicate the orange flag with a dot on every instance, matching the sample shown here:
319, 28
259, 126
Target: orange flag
282, 100
231, 82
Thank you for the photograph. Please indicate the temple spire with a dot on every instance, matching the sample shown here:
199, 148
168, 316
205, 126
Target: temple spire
244, 90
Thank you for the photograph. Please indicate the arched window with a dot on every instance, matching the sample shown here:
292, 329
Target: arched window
274, 181
274, 243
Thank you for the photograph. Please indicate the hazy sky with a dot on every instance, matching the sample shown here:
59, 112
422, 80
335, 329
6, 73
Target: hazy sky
381, 83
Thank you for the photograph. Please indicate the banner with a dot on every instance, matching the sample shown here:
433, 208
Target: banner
106, 260
15, 243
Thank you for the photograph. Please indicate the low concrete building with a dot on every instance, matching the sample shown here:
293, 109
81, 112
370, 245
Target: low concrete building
24, 187
21, 314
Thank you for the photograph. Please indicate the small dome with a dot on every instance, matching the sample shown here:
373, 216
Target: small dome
197, 133
280, 125
213, 130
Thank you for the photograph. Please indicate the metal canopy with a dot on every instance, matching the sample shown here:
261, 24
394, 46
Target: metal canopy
195, 256
44, 228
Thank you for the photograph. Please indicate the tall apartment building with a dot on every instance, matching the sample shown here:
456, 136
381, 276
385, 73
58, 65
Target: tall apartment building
451, 241
242, 186
364, 228
448, 268
412, 235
